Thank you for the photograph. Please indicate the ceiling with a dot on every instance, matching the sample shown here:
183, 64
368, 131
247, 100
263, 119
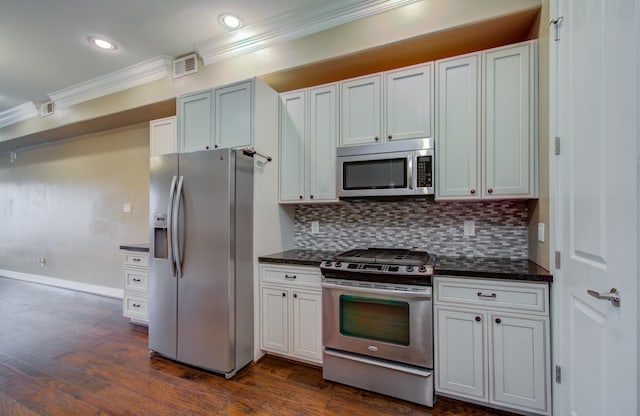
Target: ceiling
44, 44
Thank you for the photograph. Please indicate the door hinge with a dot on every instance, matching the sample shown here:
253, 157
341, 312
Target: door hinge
557, 22
558, 262
557, 145
558, 374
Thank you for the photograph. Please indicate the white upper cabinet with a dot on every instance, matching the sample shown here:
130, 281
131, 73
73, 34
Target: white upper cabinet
361, 110
292, 145
163, 136
457, 141
218, 118
409, 102
233, 115
308, 140
195, 122
495, 89
509, 139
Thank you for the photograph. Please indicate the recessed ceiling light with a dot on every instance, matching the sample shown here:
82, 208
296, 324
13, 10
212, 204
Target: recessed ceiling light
230, 21
102, 43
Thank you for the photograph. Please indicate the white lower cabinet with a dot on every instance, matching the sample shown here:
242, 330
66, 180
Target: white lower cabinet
291, 305
136, 286
486, 352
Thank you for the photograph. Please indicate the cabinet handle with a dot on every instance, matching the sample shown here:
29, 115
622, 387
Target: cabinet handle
390, 137
473, 191
377, 139
206, 147
482, 295
310, 196
295, 295
215, 146
490, 190
290, 277
300, 196
136, 305
284, 294
137, 280
498, 320
136, 259
478, 319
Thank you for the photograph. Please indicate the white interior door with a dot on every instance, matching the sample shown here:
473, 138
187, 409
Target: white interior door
594, 111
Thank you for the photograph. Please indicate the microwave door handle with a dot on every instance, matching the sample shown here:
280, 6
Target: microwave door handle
410, 170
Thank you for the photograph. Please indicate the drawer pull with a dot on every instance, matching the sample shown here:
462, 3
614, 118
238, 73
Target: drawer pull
482, 295
136, 305
478, 319
137, 259
137, 280
290, 277
498, 320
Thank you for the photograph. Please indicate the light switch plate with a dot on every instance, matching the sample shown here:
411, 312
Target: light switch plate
126, 207
469, 228
541, 232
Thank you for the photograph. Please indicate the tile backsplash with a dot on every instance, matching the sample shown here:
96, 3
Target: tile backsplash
438, 227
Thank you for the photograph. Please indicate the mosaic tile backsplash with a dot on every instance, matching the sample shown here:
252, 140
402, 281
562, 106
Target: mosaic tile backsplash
437, 227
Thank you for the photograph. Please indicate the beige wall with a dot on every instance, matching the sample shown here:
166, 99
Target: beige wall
64, 202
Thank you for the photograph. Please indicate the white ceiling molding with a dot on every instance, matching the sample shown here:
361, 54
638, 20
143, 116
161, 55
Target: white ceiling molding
289, 26
120, 80
18, 114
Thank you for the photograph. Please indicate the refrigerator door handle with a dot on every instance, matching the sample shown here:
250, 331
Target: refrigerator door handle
174, 224
172, 193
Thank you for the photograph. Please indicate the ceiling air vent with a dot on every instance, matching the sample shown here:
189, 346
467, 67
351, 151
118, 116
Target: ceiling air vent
46, 109
185, 66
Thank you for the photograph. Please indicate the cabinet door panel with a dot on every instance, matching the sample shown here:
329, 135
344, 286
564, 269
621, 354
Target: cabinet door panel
361, 122
307, 325
460, 353
195, 122
519, 361
275, 319
509, 122
457, 144
409, 103
321, 152
234, 110
162, 136
292, 145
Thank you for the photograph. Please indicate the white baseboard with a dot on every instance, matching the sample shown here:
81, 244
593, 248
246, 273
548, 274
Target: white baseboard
66, 284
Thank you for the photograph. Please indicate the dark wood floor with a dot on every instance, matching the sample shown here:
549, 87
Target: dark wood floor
69, 353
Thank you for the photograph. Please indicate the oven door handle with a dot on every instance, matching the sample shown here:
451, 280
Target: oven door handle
426, 294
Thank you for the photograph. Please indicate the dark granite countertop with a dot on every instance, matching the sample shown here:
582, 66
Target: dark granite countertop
299, 257
478, 267
142, 247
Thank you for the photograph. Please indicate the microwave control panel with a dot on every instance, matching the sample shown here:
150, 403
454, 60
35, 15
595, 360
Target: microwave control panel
425, 172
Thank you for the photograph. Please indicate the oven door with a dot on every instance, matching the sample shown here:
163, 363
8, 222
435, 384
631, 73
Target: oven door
379, 322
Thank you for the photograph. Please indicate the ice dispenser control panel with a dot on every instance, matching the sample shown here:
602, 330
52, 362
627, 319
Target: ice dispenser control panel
160, 220
160, 243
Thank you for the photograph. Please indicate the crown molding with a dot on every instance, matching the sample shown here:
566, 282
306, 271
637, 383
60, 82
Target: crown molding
289, 26
17, 114
120, 80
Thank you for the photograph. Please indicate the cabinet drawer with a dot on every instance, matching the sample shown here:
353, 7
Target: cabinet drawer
291, 276
530, 297
136, 280
136, 307
136, 259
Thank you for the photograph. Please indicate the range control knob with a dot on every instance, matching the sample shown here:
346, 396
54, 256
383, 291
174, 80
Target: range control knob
409, 269
338, 264
422, 269
327, 264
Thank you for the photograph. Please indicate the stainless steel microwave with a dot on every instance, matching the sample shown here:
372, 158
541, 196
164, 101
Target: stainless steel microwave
399, 168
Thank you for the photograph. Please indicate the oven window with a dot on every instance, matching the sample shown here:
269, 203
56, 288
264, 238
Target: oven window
375, 174
375, 319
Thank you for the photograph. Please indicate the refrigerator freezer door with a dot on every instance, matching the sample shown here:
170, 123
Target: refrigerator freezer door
163, 283
206, 289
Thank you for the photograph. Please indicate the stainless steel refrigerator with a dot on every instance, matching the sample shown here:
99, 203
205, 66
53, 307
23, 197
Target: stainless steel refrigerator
201, 284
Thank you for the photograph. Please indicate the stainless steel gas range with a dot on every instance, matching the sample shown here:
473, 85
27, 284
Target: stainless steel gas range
377, 322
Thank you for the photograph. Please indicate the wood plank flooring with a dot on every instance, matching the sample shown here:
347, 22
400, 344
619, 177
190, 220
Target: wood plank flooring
69, 353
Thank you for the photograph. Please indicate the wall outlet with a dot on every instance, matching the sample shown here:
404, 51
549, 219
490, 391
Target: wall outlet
126, 207
541, 232
315, 227
469, 228
42, 261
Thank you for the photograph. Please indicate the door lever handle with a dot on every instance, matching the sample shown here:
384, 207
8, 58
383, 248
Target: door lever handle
613, 295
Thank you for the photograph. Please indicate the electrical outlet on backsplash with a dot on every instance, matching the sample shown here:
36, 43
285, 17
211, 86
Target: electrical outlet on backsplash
437, 227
